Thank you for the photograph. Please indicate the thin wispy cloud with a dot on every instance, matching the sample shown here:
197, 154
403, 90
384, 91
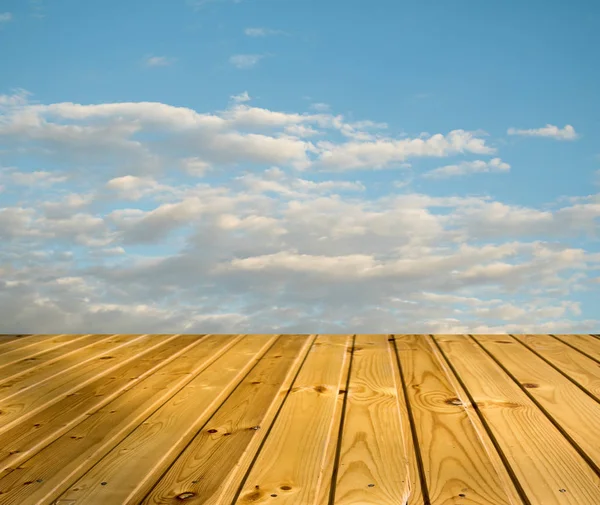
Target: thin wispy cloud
468, 167
37, 8
158, 61
245, 60
320, 107
5, 17
566, 133
262, 32
241, 98
199, 4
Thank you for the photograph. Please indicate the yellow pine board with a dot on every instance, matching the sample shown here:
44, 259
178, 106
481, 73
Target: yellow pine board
11, 344
455, 461
211, 467
585, 343
131, 468
572, 363
45, 364
290, 463
576, 413
547, 467
331, 452
6, 338
15, 351
415, 496
46, 372
23, 398
27, 438
52, 470
373, 466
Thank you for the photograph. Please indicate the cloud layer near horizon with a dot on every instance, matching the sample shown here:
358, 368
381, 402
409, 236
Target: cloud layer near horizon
145, 217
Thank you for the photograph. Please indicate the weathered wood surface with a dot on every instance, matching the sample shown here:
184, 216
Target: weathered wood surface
300, 419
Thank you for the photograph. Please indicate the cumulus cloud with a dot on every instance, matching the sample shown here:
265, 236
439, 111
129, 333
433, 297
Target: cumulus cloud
469, 167
383, 152
245, 60
126, 237
566, 133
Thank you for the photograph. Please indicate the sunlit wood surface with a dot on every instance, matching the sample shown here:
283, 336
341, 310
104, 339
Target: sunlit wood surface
300, 419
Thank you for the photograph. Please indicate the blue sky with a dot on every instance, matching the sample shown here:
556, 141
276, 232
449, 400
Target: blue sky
294, 165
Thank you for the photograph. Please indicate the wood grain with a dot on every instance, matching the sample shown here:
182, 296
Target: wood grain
49, 362
15, 351
23, 397
576, 413
455, 462
133, 466
209, 470
547, 467
52, 470
572, 363
340, 419
25, 439
415, 496
373, 466
584, 343
290, 464
5, 338
10, 343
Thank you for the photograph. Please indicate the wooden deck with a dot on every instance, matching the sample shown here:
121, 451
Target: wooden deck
300, 419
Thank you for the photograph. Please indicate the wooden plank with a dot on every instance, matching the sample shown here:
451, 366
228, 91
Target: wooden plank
52, 470
373, 466
35, 365
45, 372
25, 439
18, 350
23, 340
407, 434
572, 363
454, 454
331, 457
548, 469
210, 469
21, 399
131, 468
5, 338
586, 344
577, 415
290, 463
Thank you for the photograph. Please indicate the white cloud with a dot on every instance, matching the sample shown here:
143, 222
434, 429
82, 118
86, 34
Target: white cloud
5, 17
268, 248
383, 152
469, 167
261, 32
298, 130
19, 97
37, 178
158, 61
567, 133
320, 107
245, 60
195, 166
131, 187
241, 98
